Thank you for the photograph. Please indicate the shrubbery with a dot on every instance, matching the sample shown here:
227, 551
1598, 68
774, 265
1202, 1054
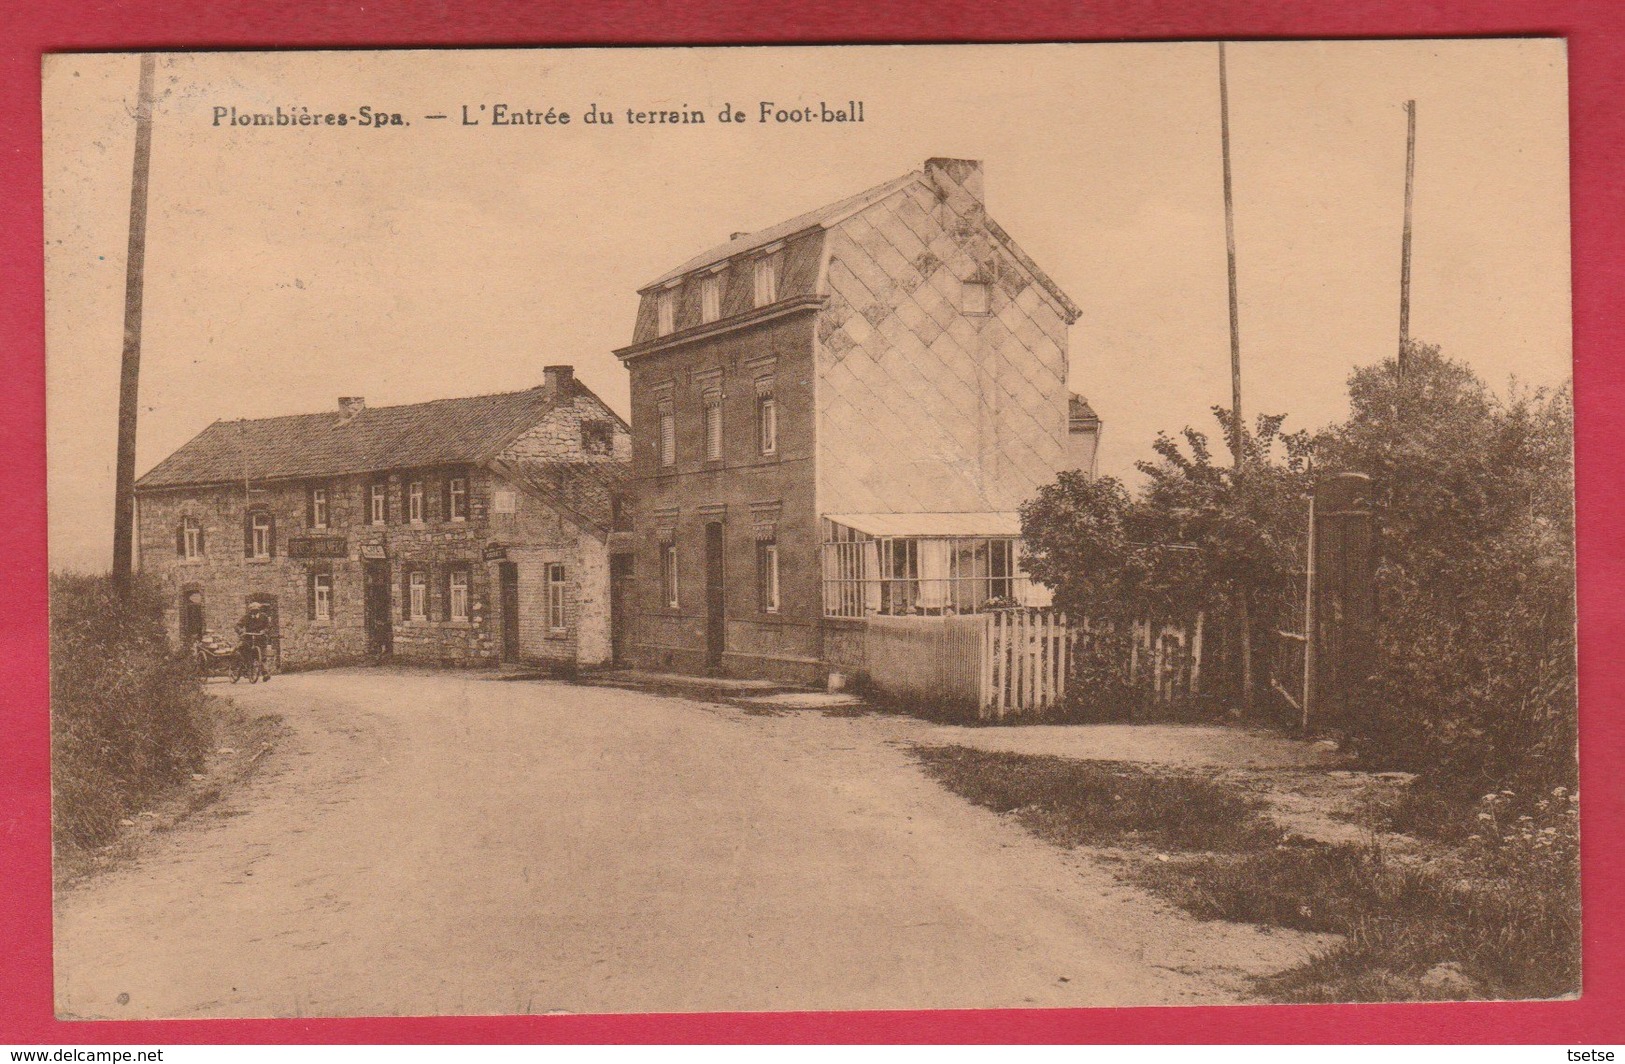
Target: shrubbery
1473, 677
127, 717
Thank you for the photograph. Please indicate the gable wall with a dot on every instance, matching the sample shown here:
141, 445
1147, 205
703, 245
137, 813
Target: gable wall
922, 407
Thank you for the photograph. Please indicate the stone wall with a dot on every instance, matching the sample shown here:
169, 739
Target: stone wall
534, 535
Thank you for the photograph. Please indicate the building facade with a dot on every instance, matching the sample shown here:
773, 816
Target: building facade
837, 418
461, 531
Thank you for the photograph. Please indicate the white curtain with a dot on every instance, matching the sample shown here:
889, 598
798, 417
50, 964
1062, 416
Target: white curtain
871, 577
934, 588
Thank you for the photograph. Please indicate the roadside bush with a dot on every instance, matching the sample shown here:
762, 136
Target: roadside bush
126, 716
1474, 674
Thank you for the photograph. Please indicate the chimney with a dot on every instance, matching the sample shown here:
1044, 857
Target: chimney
736, 236
350, 406
964, 173
558, 378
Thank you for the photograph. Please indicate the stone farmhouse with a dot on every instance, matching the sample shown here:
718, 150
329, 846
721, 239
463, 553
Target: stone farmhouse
836, 419
460, 531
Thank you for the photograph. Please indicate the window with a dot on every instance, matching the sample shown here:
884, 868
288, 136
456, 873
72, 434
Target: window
668, 434
597, 437
767, 417
973, 297
668, 575
924, 575
504, 502
418, 596
766, 276
713, 426
457, 498
666, 304
189, 544
321, 596
258, 542
414, 502
320, 509
767, 576
457, 595
556, 618
711, 298
378, 507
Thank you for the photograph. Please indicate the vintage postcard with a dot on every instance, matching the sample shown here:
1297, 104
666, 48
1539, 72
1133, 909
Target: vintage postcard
810, 528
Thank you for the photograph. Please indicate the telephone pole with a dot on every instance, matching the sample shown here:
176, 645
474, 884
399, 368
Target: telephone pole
130, 373
1405, 241
1237, 435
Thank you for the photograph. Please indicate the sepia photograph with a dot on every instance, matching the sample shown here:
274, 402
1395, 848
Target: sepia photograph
671, 530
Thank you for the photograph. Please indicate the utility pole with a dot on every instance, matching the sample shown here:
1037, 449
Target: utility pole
1237, 435
1405, 242
130, 374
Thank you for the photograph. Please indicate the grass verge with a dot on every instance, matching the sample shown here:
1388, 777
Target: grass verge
1494, 917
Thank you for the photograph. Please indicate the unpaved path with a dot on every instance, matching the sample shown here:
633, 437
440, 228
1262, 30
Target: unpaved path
432, 843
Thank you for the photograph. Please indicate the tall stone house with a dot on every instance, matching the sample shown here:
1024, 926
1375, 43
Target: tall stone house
837, 418
461, 531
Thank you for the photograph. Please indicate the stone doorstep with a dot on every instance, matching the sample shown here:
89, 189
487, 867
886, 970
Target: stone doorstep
715, 687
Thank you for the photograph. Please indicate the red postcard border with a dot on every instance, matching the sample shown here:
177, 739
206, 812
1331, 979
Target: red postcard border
1596, 36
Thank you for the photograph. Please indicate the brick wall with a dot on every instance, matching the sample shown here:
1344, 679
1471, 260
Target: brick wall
736, 491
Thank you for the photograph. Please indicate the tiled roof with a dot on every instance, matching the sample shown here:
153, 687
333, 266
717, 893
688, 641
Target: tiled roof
825, 215
586, 488
442, 432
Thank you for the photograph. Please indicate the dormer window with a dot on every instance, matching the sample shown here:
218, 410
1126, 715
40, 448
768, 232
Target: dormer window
766, 276
973, 297
711, 298
666, 310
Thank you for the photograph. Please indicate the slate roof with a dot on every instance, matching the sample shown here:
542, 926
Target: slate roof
418, 435
1078, 409
826, 215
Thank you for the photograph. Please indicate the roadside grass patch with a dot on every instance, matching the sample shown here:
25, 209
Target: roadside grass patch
1102, 803
1492, 913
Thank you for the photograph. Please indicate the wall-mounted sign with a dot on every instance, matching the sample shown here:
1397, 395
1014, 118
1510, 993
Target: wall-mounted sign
374, 551
495, 552
318, 547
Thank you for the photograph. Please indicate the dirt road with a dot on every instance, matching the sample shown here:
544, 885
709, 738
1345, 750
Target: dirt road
430, 843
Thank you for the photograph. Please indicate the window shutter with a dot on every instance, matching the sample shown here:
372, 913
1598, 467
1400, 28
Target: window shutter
310, 506
180, 539
445, 497
406, 594
202, 548
310, 596
248, 533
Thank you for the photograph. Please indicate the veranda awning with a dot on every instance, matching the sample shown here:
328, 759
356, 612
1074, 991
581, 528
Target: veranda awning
961, 525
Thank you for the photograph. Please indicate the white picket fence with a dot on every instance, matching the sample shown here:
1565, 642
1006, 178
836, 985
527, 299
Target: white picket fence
1015, 662
1024, 663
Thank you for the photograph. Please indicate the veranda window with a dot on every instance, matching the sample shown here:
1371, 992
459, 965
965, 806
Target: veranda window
870, 574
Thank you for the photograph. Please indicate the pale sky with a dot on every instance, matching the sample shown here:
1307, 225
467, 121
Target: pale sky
288, 266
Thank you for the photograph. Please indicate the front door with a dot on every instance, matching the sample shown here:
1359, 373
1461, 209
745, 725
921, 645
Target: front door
191, 618
508, 579
379, 621
715, 600
620, 599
